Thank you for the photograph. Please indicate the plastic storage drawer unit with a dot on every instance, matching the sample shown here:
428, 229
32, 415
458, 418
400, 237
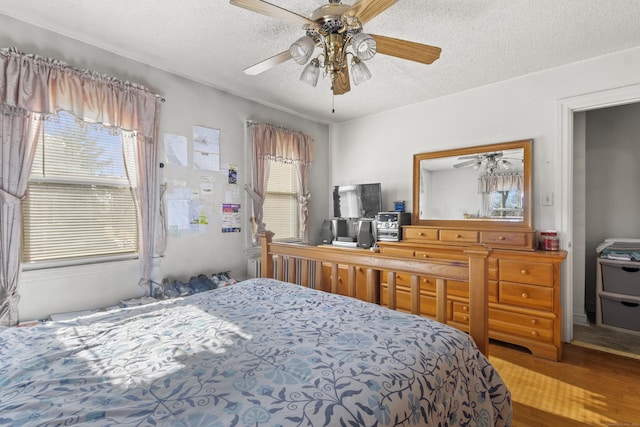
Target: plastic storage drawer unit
620, 277
620, 312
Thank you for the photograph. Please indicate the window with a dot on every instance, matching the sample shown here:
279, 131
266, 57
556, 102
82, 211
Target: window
79, 202
281, 211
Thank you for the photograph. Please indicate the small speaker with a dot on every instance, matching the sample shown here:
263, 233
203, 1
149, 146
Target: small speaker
326, 232
340, 228
365, 234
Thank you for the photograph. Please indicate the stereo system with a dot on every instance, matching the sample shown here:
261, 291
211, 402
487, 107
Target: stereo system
364, 232
389, 225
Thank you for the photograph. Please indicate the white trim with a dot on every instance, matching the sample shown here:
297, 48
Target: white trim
566, 108
79, 270
582, 319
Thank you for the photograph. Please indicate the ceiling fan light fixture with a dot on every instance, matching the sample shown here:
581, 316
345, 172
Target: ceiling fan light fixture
364, 46
337, 30
359, 71
302, 49
311, 73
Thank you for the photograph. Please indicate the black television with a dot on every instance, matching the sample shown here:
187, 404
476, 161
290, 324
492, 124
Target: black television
357, 201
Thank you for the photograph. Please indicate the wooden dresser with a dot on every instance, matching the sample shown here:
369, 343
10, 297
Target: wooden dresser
524, 283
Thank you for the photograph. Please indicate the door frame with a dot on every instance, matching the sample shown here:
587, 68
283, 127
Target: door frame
566, 107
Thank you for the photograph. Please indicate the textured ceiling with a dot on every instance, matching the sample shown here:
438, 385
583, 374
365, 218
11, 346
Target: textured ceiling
210, 41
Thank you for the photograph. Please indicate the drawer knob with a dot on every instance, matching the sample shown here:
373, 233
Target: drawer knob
501, 238
359, 269
425, 256
534, 333
534, 322
524, 272
465, 318
458, 236
465, 308
525, 295
420, 233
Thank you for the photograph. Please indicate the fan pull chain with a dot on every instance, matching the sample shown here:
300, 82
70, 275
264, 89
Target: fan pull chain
333, 103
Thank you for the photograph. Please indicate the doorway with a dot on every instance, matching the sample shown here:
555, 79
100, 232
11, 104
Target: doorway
574, 222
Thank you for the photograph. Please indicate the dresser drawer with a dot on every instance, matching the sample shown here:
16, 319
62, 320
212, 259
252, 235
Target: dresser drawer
394, 251
459, 236
425, 234
461, 289
540, 297
461, 313
428, 284
536, 273
403, 301
523, 325
447, 255
493, 268
401, 278
458, 289
503, 238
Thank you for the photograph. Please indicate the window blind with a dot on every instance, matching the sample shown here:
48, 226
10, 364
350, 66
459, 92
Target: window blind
281, 210
79, 201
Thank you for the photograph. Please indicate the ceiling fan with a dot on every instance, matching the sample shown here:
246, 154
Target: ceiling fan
337, 30
493, 161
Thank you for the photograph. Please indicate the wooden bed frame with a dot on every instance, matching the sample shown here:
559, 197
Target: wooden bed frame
275, 256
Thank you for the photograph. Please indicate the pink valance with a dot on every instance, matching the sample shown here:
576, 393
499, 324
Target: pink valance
44, 85
281, 144
501, 182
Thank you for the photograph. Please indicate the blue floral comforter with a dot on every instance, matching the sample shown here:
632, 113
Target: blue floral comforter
258, 353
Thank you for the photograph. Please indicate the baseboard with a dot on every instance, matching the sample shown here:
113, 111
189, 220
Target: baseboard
580, 318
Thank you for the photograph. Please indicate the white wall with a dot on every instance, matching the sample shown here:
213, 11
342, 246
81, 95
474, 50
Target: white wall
442, 203
521, 108
188, 104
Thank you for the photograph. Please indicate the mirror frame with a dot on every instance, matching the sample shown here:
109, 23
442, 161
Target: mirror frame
526, 221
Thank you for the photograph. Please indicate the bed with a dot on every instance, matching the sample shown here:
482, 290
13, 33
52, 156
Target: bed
259, 353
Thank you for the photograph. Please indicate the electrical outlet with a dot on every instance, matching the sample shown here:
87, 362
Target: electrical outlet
547, 199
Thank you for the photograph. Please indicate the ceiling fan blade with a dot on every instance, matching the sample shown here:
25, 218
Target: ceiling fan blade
341, 84
274, 11
268, 63
406, 50
469, 157
366, 10
467, 163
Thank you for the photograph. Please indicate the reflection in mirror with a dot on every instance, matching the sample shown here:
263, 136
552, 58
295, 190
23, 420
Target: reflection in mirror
487, 183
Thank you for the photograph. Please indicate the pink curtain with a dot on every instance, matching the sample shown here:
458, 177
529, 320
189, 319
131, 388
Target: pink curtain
147, 197
31, 84
275, 143
19, 131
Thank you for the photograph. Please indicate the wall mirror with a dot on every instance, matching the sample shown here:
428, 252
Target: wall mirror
488, 184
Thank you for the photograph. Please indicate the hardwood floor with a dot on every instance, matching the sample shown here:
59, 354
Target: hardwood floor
587, 388
607, 339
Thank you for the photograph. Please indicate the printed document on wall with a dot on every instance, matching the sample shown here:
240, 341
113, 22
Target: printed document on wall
231, 218
206, 148
175, 148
